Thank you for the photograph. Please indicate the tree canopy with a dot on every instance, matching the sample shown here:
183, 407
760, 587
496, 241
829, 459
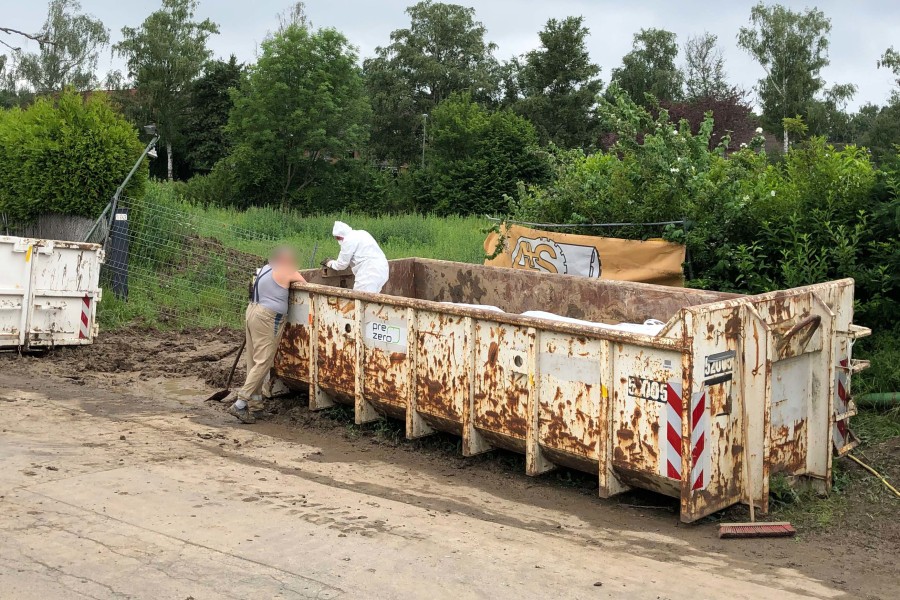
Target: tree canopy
560, 85
792, 48
164, 55
303, 103
650, 67
210, 104
704, 72
476, 158
441, 52
70, 56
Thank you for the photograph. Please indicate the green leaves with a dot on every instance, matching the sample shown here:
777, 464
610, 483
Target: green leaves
821, 213
560, 85
70, 57
650, 67
164, 55
792, 47
476, 158
442, 52
65, 157
301, 106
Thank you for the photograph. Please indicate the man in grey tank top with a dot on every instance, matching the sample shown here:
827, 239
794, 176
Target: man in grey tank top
264, 324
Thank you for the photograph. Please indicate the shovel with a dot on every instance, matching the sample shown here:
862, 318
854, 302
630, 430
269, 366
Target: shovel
221, 394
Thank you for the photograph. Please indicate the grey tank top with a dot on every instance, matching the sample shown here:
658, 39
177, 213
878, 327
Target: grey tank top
267, 293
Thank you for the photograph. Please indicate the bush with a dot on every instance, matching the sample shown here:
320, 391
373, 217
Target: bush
358, 186
66, 156
476, 158
752, 226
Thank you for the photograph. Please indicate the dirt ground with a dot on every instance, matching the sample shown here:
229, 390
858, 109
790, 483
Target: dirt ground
119, 481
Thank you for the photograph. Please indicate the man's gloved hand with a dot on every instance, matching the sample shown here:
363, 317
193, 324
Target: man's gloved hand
325, 262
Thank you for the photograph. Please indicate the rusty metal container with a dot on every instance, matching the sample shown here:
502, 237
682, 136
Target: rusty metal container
761, 382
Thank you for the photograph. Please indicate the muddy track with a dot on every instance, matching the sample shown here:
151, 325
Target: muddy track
856, 552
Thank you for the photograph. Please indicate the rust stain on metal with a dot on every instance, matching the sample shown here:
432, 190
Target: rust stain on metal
442, 370
501, 396
788, 448
499, 362
336, 352
566, 427
292, 357
386, 380
793, 340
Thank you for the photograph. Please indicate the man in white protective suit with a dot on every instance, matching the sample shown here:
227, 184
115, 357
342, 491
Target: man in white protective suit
361, 253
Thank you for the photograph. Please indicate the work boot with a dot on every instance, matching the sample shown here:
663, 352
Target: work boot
256, 403
243, 414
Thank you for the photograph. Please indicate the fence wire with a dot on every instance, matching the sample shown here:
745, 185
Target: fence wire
182, 268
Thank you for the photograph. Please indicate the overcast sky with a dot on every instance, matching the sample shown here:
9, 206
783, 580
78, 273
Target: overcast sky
861, 29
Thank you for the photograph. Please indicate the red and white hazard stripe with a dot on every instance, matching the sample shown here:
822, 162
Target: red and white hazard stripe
840, 433
670, 457
700, 464
84, 331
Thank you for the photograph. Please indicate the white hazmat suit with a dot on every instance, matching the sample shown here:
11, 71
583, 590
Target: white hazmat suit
361, 253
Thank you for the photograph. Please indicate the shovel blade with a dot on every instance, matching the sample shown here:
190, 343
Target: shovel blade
218, 396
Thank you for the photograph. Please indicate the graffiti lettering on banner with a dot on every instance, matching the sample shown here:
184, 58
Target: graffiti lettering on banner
649, 261
543, 254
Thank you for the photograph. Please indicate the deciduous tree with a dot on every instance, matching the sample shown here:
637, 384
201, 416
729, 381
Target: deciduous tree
205, 140
650, 67
70, 58
704, 70
477, 157
441, 52
302, 103
560, 85
792, 48
164, 55
891, 60
733, 119
827, 116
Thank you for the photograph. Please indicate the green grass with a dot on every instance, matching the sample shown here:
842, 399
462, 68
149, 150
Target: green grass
256, 230
189, 264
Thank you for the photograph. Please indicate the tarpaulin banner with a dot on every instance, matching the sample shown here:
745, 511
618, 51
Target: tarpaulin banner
650, 261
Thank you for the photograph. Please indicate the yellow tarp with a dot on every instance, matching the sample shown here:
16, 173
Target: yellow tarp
651, 261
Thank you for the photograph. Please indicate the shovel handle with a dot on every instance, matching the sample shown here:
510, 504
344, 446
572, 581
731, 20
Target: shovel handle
237, 357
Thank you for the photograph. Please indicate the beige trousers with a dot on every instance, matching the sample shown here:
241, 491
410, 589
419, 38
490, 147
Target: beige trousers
263, 328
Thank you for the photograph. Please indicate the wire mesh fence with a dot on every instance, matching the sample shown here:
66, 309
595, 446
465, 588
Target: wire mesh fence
168, 266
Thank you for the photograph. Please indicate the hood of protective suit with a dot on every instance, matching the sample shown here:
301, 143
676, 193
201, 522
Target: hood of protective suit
340, 229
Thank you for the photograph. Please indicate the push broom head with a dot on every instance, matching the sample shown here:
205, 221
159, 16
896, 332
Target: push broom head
756, 530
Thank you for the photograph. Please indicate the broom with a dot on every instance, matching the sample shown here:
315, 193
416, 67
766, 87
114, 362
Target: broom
753, 529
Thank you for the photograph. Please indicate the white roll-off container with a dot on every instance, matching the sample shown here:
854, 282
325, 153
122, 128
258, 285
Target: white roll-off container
49, 291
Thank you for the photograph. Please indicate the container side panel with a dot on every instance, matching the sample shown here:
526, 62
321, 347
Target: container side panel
15, 274
714, 414
64, 292
292, 358
570, 389
442, 377
517, 291
788, 430
646, 416
501, 383
336, 352
385, 361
